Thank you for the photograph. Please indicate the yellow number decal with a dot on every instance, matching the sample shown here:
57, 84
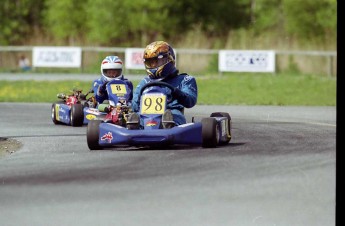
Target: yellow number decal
57, 107
153, 103
118, 89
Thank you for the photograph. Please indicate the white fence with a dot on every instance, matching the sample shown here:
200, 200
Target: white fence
131, 55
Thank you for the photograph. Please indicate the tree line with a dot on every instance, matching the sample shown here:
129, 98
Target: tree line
136, 22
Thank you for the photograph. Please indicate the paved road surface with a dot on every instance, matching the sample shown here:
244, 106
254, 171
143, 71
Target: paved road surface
278, 170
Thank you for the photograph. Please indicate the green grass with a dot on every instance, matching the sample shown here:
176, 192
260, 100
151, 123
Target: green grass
227, 89
268, 89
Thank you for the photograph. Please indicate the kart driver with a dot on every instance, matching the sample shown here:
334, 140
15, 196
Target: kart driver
159, 60
111, 68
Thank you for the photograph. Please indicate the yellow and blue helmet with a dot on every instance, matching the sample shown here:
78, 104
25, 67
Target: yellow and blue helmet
159, 60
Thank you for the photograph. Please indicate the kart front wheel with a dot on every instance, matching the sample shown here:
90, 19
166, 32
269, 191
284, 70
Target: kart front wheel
92, 134
77, 115
228, 117
210, 132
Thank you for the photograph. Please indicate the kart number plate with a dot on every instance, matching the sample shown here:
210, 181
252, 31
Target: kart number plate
153, 103
118, 89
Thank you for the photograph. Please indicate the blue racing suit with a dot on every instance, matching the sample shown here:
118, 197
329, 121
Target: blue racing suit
185, 95
100, 92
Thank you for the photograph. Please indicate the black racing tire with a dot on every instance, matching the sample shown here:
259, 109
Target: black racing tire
53, 111
210, 132
227, 115
77, 115
92, 134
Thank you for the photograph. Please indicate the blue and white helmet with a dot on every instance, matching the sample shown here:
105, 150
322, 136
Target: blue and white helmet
113, 63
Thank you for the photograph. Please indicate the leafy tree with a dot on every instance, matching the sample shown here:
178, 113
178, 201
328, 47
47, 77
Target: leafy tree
311, 18
65, 19
129, 21
267, 15
18, 19
306, 20
215, 17
125, 22
138, 22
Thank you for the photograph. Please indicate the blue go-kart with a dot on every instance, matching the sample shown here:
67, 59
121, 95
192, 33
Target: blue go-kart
78, 110
209, 132
70, 109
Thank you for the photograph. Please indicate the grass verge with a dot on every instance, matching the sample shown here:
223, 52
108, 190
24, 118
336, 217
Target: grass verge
227, 89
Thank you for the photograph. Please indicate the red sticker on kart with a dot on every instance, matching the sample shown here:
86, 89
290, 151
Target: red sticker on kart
107, 137
118, 89
153, 103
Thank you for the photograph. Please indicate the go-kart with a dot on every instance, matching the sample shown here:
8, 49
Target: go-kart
117, 108
70, 109
154, 96
75, 110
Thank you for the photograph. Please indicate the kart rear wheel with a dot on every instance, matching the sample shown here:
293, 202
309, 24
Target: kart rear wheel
210, 132
77, 115
227, 115
92, 134
53, 111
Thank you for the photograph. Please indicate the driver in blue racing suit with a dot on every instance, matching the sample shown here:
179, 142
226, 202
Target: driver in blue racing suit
111, 69
159, 60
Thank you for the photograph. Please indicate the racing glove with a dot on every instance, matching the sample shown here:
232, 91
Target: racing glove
178, 94
102, 89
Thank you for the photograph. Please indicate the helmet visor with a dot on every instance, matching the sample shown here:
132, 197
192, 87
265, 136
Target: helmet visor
112, 73
156, 62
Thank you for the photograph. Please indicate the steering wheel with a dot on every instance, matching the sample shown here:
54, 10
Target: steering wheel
161, 84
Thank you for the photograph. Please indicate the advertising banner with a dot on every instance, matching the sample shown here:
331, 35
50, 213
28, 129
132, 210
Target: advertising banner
56, 57
246, 61
134, 58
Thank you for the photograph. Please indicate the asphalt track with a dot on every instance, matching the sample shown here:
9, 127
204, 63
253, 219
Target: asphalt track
279, 170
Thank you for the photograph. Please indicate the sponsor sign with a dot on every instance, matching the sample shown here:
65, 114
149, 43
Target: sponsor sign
56, 57
246, 61
134, 58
